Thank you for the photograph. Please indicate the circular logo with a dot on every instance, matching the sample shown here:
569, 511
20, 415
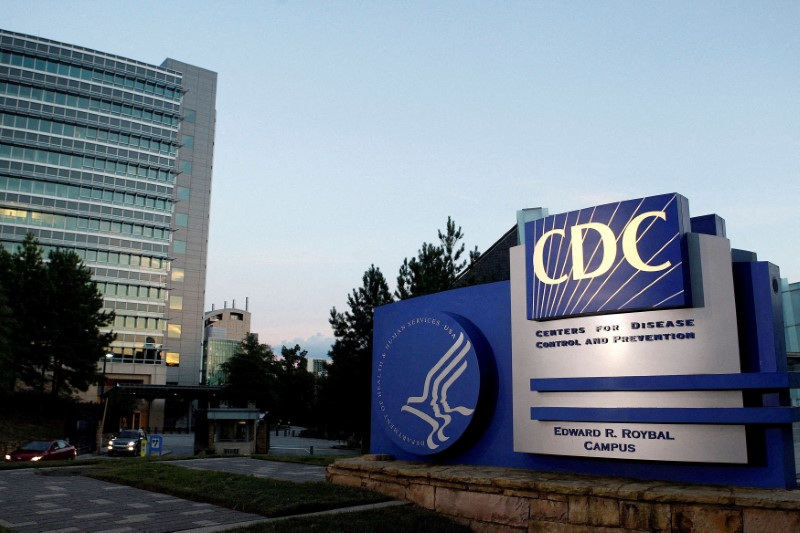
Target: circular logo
427, 382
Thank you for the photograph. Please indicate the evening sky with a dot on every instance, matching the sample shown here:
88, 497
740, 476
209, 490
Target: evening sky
347, 132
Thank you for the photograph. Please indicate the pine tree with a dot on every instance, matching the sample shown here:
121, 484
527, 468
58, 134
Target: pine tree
74, 316
436, 267
249, 375
6, 327
346, 390
52, 339
295, 386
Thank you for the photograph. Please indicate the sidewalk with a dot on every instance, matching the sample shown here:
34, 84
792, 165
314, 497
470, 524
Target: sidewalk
57, 500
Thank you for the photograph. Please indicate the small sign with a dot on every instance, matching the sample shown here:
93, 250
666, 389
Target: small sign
155, 445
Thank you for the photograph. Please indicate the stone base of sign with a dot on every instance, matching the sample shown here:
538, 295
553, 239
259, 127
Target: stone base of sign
507, 499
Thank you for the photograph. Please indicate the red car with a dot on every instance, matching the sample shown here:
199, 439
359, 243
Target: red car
43, 450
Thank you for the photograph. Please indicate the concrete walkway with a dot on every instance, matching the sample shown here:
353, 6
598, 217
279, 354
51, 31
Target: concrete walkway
58, 501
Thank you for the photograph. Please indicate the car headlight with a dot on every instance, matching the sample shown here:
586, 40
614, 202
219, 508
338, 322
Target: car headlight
36, 458
8, 457
130, 445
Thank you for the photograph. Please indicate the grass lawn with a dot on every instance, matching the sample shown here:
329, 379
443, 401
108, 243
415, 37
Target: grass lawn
275, 498
266, 497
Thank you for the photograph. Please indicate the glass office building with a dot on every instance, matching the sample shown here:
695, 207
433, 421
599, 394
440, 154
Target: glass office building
111, 158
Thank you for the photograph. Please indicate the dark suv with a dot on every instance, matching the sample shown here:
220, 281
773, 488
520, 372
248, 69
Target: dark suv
128, 442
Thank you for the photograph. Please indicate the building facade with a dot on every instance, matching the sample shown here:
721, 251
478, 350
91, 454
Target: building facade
111, 158
224, 331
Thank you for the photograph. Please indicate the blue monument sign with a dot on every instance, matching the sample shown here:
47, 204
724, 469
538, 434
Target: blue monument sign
622, 345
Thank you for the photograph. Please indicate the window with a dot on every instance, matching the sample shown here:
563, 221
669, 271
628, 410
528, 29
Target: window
177, 274
179, 247
173, 359
176, 302
181, 219
174, 331
187, 141
184, 193
190, 116
186, 166
233, 431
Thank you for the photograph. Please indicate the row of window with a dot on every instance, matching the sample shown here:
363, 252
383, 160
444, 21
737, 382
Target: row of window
90, 56
62, 144
87, 102
92, 179
89, 74
101, 256
139, 323
86, 132
130, 305
68, 222
98, 164
118, 258
153, 277
124, 290
25, 106
90, 210
75, 192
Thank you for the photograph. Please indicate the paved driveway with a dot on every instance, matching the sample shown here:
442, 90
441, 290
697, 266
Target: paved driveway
63, 502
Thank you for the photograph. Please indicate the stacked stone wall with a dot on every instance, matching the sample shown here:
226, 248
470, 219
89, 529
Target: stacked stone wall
509, 500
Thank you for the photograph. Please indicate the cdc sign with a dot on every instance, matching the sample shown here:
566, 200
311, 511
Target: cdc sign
621, 345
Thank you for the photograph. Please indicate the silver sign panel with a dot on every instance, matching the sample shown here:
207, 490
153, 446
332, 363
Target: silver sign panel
698, 340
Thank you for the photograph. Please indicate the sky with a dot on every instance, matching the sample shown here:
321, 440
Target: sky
348, 131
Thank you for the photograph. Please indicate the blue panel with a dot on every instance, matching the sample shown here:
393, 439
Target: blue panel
773, 380
612, 258
673, 415
709, 225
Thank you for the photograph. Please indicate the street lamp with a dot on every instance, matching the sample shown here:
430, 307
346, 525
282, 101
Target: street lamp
101, 390
103, 381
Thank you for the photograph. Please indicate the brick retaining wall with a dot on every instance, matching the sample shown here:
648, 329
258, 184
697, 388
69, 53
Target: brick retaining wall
513, 500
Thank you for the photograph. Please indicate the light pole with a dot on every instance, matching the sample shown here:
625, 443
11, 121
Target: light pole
102, 387
101, 390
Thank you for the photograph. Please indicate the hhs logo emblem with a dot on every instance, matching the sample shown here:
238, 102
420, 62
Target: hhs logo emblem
627, 256
427, 383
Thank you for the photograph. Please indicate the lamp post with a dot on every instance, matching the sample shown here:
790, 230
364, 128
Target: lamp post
102, 387
102, 390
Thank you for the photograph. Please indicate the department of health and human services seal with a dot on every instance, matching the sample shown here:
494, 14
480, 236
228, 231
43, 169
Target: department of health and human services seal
427, 382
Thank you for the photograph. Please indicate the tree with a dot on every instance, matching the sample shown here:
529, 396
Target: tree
249, 375
75, 317
436, 267
56, 314
6, 327
26, 290
345, 392
295, 386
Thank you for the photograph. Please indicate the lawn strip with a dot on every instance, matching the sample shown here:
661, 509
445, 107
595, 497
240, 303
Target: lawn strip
263, 496
383, 520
